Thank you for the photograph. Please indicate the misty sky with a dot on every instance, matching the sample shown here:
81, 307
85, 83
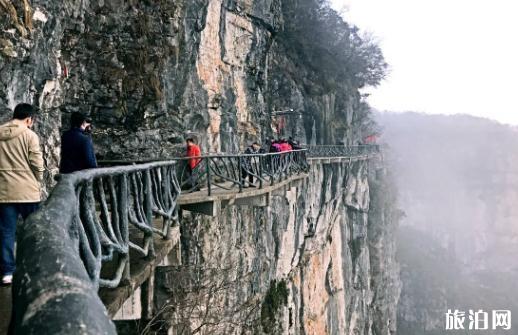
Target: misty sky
446, 56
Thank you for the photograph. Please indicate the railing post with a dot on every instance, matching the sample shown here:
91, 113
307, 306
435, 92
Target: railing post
207, 170
148, 210
124, 208
273, 162
287, 165
260, 174
240, 173
146, 297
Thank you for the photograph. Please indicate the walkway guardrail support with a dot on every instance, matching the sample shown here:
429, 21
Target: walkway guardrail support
228, 172
80, 239
341, 150
84, 224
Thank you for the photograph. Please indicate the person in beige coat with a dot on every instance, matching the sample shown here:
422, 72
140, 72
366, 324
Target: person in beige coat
21, 172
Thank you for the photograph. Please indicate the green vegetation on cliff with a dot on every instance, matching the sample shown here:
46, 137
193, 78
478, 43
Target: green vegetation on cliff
331, 48
275, 298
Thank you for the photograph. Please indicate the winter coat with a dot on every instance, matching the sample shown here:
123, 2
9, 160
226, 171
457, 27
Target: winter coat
247, 161
285, 147
21, 164
77, 151
193, 151
275, 147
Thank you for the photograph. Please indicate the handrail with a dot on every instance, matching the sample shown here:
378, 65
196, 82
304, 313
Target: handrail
228, 171
111, 162
85, 223
326, 151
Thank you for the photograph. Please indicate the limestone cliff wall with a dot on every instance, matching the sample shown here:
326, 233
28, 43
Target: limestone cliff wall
150, 73
324, 248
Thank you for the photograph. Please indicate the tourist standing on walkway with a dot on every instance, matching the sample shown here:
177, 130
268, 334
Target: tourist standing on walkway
275, 146
294, 144
285, 146
77, 150
193, 151
21, 173
246, 164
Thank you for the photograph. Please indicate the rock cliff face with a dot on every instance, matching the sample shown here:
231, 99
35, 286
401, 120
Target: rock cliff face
320, 258
149, 73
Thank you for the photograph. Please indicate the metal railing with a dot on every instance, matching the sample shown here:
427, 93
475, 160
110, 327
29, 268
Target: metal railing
110, 201
342, 151
231, 171
227, 172
84, 224
80, 239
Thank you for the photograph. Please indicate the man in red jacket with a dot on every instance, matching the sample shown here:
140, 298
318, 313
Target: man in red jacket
193, 150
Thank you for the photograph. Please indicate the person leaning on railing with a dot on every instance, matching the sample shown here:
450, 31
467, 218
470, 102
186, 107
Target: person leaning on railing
77, 150
21, 173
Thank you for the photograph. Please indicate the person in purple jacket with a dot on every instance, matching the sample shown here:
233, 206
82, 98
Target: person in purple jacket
275, 146
77, 150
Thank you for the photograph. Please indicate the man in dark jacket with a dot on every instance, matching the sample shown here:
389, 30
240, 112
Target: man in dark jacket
77, 151
247, 167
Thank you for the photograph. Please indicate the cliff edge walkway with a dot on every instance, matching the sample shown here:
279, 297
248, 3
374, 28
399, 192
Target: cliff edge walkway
102, 232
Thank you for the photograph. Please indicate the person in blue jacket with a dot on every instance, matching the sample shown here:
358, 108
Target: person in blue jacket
77, 151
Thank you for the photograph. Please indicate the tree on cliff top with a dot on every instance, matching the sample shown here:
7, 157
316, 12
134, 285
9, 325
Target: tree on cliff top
331, 48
